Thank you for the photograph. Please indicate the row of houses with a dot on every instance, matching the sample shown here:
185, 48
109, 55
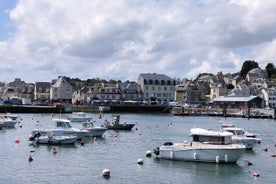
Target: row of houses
150, 87
207, 89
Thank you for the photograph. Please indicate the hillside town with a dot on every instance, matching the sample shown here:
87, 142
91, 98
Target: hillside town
206, 91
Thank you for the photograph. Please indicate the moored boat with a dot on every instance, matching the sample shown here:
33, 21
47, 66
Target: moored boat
47, 137
95, 131
63, 127
7, 121
116, 125
239, 137
80, 117
206, 146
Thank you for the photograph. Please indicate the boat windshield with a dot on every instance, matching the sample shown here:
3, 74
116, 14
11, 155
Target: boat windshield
218, 140
63, 124
235, 132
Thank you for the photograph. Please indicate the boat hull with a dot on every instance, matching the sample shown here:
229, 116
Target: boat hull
211, 153
96, 131
56, 140
247, 141
10, 124
120, 126
70, 131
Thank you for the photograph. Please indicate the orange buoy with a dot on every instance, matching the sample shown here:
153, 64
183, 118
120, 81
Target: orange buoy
100, 116
273, 155
256, 174
17, 140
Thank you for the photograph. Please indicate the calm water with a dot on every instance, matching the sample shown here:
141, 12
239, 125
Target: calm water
119, 152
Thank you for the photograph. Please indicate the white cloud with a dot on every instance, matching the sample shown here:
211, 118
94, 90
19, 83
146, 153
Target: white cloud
120, 39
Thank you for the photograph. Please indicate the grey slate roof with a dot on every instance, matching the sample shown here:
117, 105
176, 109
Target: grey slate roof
234, 99
154, 76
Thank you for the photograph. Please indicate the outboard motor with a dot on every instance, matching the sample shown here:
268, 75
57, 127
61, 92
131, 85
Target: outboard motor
156, 151
35, 136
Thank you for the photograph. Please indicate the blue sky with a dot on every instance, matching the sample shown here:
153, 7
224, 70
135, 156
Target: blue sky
41, 40
5, 24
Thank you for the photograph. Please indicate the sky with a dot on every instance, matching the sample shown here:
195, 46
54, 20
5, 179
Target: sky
85, 39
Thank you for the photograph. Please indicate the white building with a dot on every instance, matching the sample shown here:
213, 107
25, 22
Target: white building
269, 97
61, 90
157, 86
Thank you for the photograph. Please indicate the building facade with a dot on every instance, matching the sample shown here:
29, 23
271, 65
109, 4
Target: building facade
157, 86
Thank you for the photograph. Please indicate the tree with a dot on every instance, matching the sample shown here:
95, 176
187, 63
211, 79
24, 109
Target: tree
271, 70
247, 66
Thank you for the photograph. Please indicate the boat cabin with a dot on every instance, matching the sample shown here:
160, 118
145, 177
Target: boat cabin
87, 124
116, 119
211, 137
63, 123
234, 131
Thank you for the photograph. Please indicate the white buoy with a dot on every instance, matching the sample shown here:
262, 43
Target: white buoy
195, 156
171, 154
217, 159
140, 161
148, 153
226, 158
106, 172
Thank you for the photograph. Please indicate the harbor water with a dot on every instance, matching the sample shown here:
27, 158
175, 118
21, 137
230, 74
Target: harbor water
119, 151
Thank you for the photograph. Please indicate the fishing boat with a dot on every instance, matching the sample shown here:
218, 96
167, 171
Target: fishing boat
116, 125
94, 131
206, 146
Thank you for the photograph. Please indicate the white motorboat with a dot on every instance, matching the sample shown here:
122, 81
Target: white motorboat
231, 125
47, 137
80, 117
240, 137
7, 121
95, 131
63, 127
206, 146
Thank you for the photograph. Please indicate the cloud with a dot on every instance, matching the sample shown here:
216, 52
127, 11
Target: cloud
120, 39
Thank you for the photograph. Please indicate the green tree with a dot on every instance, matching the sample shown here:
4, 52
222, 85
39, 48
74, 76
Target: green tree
247, 66
271, 70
